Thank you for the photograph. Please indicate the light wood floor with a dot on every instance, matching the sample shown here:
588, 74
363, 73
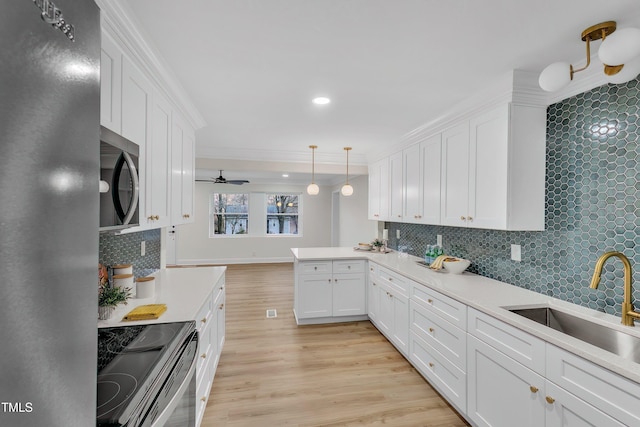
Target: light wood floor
274, 373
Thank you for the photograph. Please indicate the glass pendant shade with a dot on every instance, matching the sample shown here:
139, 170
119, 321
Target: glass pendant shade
347, 190
620, 47
313, 189
629, 72
555, 76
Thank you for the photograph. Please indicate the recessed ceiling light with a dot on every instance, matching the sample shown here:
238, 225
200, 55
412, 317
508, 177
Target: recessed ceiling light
321, 100
285, 175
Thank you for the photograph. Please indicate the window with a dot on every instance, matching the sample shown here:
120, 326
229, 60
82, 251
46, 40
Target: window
282, 214
229, 214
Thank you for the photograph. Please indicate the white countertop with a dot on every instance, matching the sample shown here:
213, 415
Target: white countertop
493, 298
183, 290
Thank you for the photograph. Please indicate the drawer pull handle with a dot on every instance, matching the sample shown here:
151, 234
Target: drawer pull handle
329, 280
335, 280
430, 301
348, 267
533, 389
315, 268
462, 218
431, 330
549, 399
203, 355
204, 399
431, 365
204, 320
391, 279
221, 306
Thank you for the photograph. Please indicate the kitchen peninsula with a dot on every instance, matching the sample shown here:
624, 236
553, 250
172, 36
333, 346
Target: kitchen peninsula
458, 332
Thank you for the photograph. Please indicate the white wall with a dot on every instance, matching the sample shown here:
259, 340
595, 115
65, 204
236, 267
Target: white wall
353, 223
193, 245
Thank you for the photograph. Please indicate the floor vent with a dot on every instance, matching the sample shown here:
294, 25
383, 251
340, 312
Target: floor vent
272, 313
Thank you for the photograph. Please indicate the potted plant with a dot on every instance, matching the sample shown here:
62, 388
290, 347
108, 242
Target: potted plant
109, 297
377, 244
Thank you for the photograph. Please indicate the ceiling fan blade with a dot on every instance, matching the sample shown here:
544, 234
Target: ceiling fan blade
237, 181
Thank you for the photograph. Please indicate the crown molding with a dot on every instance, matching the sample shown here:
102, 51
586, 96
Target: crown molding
118, 19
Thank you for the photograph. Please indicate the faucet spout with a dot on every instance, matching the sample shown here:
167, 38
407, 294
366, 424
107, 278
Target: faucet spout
628, 312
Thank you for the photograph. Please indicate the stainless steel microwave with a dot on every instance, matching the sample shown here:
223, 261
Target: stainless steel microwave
119, 185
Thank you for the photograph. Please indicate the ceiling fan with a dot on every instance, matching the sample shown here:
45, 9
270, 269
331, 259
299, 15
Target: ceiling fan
223, 180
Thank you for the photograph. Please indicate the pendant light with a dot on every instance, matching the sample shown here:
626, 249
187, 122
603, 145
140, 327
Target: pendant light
347, 189
313, 189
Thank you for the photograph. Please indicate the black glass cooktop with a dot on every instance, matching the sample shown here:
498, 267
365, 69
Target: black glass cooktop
130, 360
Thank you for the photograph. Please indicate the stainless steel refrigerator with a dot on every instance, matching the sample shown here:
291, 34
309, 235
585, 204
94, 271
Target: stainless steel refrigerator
49, 141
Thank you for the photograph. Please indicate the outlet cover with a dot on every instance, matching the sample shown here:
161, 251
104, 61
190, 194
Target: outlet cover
516, 252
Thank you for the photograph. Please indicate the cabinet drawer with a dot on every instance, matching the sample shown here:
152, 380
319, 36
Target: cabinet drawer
519, 345
450, 341
203, 318
202, 396
445, 376
613, 394
348, 266
445, 307
312, 267
396, 280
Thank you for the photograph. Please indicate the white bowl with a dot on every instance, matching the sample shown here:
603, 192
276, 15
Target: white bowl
456, 267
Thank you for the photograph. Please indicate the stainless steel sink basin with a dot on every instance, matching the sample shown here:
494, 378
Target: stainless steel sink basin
624, 345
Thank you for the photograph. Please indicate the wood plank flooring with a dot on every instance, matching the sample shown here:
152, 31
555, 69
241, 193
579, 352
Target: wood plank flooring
275, 373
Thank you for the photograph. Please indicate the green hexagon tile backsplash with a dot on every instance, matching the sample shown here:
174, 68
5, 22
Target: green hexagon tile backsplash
592, 206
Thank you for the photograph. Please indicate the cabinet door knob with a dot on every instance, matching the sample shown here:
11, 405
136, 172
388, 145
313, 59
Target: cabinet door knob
329, 280
431, 365
315, 268
204, 356
204, 320
335, 280
399, 216
431, 329
549, 399
430, 301
463, 218
348, 267
221, 306
204, 399
533, 389
470, 218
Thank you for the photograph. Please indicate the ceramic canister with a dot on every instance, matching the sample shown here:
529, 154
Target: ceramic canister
122, 269
145, 287
124, 281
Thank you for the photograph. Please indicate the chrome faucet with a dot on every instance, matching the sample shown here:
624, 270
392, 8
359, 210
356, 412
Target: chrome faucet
628, 312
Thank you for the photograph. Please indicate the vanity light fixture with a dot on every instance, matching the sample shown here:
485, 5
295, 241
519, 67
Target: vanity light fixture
347, 189
619, 53
313, 189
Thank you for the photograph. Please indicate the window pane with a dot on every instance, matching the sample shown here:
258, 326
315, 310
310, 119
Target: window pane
229, 213
282, 214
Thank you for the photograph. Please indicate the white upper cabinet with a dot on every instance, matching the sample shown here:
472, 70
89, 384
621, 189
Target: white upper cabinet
158, 163
379, 190
430, 178
396, 191
182, 172
412, 211
481, 166
110, 84
137, 102
455, 176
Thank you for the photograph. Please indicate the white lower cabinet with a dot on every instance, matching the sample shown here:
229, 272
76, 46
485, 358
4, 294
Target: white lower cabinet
567, 410
555, 388
501, 391
390, 291
210, 324
327, 291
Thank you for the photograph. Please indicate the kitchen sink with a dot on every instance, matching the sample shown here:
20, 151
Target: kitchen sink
614, 341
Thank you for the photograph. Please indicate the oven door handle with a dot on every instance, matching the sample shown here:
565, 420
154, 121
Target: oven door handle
164, 416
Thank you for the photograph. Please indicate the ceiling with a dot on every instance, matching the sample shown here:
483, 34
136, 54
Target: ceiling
251, 67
